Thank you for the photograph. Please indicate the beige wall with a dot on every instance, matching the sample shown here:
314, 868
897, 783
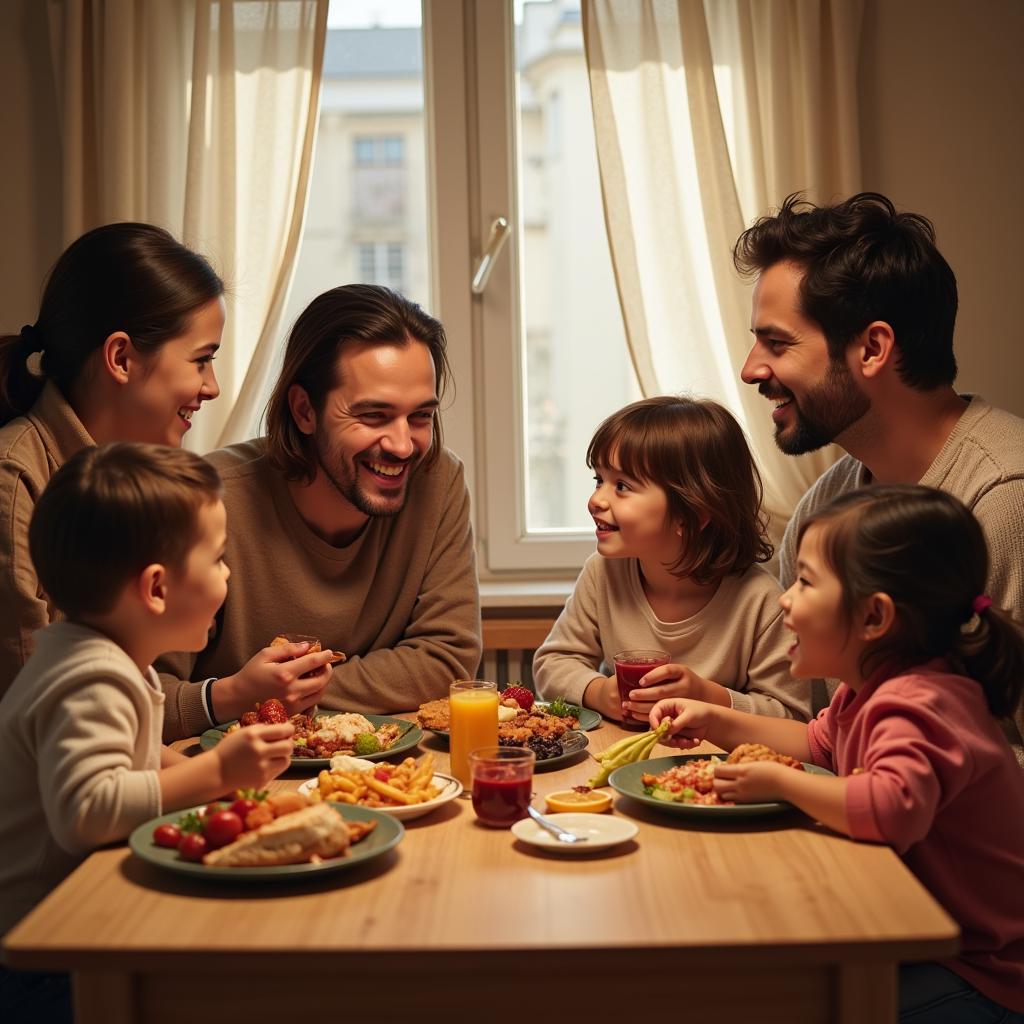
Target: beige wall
30, 195
942, 134
941, 93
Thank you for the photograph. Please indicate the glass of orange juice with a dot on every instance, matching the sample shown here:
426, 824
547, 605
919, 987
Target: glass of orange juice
474, 723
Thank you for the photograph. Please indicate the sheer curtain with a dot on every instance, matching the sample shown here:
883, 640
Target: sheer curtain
707, 115
199, 116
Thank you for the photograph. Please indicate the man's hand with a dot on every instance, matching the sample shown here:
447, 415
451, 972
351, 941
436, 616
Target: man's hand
671, 680
752, 782
287, 672
251, 757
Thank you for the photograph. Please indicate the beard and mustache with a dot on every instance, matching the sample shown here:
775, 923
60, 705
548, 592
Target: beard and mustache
826, 410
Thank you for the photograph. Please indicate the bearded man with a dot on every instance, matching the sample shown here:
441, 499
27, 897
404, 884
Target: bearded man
348, 522
853, 317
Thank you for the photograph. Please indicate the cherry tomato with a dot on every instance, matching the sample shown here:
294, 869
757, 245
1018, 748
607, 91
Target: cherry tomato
211, 809
192, 846
382, 775
222, 828
167, 835
242, 806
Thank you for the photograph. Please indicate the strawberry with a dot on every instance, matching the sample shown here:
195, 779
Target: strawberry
520, 694
250, 718
272, 711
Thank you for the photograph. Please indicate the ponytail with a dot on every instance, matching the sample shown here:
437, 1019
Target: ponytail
19, 387
991, 650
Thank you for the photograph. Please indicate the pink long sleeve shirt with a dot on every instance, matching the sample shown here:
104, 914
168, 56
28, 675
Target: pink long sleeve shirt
931, 775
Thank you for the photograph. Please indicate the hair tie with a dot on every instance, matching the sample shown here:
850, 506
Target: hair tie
981, 603
30, 340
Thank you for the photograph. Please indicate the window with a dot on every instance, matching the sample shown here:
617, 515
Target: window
381, 263
384, 151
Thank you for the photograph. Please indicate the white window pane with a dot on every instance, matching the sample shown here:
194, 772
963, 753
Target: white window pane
368, 191
576, 364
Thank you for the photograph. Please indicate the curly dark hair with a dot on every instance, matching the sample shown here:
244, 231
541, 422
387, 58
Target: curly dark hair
862, 262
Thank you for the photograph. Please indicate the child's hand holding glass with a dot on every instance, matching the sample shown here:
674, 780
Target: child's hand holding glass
669, 681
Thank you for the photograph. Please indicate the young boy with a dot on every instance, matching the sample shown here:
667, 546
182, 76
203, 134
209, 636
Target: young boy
128, 542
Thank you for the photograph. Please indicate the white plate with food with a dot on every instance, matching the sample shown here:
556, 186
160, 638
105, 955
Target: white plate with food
401, 791
601, 832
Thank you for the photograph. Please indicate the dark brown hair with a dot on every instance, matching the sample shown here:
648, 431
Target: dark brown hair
697, 453
120, 277
353, 314
862, 262
109, 512
925, 550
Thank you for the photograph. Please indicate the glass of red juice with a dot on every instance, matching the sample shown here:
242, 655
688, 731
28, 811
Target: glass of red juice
631, 667
502, 784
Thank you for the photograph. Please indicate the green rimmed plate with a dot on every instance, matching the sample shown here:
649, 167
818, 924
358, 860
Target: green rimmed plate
407, 739
385, 836
627, 781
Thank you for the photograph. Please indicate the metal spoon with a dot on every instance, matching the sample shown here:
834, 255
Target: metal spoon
557, 831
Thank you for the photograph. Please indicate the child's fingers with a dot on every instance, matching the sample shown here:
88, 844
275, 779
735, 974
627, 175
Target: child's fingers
271, 732
310, 663
286, 652
661, 674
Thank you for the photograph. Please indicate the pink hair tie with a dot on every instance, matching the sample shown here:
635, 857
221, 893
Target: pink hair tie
981, 603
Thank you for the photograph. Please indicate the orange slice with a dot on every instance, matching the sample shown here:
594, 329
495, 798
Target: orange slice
571, 800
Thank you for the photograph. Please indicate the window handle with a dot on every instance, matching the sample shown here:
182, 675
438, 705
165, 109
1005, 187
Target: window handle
499, 236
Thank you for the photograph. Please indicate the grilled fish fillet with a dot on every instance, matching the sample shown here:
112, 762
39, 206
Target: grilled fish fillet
291, 839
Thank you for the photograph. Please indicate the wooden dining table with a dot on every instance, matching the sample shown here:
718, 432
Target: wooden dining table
762, 919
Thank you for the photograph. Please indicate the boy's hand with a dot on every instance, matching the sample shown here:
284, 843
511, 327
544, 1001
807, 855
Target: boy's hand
251, 757
287, 672
689, 721
602, 694
752, 782
671, 680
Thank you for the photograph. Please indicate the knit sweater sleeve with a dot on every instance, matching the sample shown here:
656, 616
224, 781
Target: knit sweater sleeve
92, 792
22, 609
441, 641
571, 655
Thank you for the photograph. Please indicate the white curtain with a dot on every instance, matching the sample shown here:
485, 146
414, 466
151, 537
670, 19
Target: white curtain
707, 115
199, 116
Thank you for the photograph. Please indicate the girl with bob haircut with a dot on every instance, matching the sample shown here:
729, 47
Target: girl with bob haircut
121, 350
890, 598
680, 533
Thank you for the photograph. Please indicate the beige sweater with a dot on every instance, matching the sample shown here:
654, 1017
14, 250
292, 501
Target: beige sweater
401, 600
79, 757
982, 464
32, 448
737, 639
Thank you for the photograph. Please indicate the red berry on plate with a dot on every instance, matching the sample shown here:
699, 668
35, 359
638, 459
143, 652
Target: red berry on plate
250, 718
520, 694
192, 847
167, 835
272, 712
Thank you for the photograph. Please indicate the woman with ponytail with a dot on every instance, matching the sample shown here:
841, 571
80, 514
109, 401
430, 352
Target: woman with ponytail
122, 350
890, 598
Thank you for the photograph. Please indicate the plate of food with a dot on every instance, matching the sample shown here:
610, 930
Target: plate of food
320, 738
285, 836
682, 785
407, 790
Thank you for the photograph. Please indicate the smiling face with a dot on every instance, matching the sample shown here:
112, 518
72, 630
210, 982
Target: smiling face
817, 398
377, 424
198, 588
631, 517
176, 380
826, 645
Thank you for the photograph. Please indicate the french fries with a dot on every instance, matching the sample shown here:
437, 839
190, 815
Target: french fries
410, 782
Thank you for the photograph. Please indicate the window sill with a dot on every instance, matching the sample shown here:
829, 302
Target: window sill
523, 596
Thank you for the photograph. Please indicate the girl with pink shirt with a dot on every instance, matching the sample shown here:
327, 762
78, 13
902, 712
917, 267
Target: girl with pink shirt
890, 598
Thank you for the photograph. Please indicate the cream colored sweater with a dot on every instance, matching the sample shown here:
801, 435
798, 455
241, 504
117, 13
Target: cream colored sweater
737, 639
32, 448
79, 757
982, 464
401, 600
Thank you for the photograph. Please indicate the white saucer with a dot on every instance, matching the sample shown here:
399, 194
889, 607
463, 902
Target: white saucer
601, 831
450, 788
